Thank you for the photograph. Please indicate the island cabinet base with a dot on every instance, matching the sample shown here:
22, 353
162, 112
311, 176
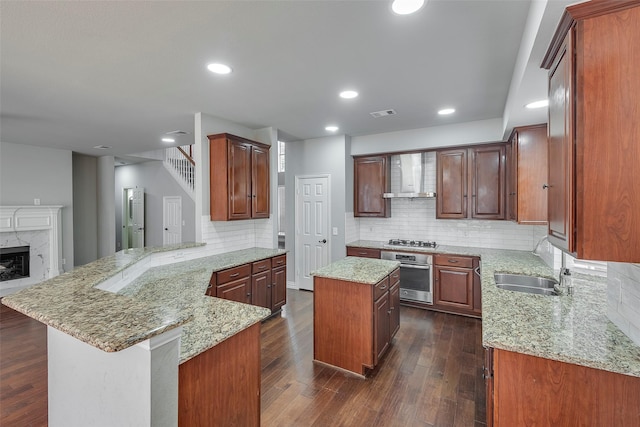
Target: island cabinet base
352, 322
530, 391
221, 387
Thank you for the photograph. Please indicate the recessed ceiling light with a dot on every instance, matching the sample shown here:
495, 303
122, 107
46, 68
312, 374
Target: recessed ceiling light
348, 94
446, 111
331, 128
219, 68
538, 104
405, 7
168, 140
101, 147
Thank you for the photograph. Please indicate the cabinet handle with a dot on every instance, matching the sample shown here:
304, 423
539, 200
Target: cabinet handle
389, 312
382, 288
453, 261
249, 295
477, 271
545, 186
235, 275
268, 286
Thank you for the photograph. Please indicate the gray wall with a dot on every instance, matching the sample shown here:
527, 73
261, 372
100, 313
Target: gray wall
85, 209
28, 172
106, 206
319, 156
157, 183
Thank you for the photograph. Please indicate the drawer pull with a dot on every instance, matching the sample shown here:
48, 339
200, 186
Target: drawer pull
382, 288
453, 261
234, 275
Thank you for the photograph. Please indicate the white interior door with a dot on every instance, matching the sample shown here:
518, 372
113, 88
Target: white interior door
137, 214
172, 220
312, 225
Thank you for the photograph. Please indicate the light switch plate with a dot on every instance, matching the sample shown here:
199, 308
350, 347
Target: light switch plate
335, 231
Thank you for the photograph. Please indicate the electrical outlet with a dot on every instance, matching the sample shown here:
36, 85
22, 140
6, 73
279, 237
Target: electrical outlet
64, 261
36, 202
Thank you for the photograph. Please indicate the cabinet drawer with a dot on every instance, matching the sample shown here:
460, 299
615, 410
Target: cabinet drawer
234, 273
380, 288
453, 261
260, 266
394, 277
278, 261
363, 252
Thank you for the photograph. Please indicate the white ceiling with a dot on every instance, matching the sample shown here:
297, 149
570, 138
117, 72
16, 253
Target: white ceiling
74, 75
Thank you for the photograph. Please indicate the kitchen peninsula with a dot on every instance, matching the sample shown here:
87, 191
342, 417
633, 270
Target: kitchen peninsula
129, 336
356, 304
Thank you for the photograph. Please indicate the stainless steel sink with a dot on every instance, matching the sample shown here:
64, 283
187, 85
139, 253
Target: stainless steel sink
528, 284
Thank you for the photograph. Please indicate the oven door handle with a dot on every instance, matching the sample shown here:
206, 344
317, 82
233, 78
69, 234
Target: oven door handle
419, 267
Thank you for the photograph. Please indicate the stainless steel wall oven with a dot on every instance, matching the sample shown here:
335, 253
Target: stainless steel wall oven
416, 275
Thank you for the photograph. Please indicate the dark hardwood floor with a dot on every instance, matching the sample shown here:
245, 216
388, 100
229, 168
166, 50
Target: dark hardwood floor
431, 375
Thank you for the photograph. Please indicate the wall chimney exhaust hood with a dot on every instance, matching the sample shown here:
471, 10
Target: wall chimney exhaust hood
410, 177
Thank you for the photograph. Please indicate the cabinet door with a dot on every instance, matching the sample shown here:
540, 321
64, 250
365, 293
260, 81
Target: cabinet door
260, 286
394, 316
453, 288
381, 333
488, 378
259, 182
239, 180
531, 170
488, 182
560, 194
278, 288
238, 290
451, 196
512, 177
371, 181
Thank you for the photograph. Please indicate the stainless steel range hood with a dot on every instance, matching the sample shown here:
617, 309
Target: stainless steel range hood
409, 177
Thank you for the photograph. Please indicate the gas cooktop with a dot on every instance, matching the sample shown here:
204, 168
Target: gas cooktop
411, 243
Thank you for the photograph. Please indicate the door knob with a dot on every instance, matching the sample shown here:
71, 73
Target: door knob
322, 241
166, 229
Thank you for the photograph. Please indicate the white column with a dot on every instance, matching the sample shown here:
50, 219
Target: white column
106, 206
137, 386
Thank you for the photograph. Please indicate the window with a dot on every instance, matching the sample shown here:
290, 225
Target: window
281, 156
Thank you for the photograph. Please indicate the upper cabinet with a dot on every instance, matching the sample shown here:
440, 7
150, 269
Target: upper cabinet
594, 131
239, 178
527, 157
471, 182
371, 178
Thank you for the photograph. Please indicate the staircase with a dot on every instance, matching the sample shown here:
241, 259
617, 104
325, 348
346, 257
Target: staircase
179, 162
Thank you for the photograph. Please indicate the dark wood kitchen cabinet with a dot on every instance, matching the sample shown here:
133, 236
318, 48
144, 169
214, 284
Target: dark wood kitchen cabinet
471, 182
527, 173
456, 287
371, 179
262, 283
354, 323
530, 390
363, 252
239, 178
593, 61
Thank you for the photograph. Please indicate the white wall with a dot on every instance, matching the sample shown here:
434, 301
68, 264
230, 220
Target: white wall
157, 182
319, 156
28, 172
85, 209
428, 138
623, 298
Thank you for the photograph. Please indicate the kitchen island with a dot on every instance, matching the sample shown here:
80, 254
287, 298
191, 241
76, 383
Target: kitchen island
355, 312
115, 355
558, 360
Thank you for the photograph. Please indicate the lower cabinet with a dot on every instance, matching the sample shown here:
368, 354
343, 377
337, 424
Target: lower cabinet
363, 252
457, 284
529, 390
262, 283
354, 323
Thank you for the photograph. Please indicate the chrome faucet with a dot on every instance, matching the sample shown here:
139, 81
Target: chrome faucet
564, 281
538, 245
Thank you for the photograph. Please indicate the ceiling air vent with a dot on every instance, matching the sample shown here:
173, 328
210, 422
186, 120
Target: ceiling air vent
102, 147
383, 113
177, 132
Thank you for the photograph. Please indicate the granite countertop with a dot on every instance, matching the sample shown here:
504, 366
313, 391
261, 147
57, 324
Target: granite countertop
160, 299
568, 328
361, 270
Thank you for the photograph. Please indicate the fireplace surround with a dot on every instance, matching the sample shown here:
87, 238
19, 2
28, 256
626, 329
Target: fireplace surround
39, 228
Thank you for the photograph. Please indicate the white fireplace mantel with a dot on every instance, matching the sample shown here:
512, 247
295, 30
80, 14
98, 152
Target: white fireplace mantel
14, 219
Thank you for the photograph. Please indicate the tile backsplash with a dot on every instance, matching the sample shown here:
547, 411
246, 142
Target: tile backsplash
227, 236
623, 298
415, 219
